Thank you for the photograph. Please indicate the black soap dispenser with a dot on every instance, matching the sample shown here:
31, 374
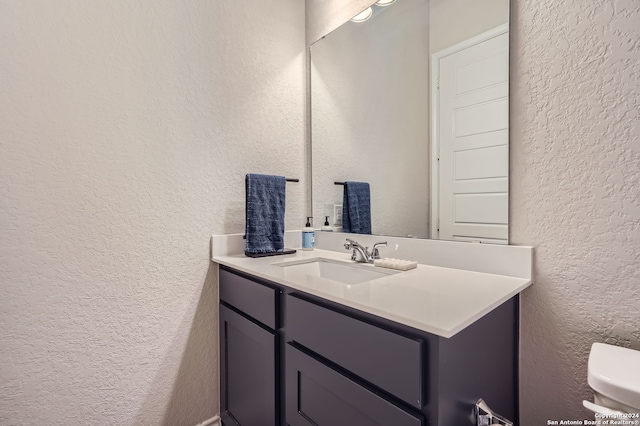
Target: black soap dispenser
326, 227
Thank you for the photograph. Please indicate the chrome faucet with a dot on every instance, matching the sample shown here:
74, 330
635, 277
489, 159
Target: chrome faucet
361, 254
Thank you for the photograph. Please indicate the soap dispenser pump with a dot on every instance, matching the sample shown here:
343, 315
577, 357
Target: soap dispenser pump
326, 227
308, 235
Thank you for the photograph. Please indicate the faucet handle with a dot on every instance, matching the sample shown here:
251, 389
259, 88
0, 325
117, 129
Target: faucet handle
360, 253
349, 244
375, 253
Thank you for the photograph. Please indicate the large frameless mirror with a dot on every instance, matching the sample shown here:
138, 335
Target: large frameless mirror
414, 101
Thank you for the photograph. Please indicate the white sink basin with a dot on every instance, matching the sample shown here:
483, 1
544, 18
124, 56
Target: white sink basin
335, 270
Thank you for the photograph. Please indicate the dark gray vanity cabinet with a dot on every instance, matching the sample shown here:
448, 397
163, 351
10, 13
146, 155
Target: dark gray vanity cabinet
337, 366
249, 352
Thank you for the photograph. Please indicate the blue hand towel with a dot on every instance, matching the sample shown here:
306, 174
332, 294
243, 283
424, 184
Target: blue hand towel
356, 208
265, 213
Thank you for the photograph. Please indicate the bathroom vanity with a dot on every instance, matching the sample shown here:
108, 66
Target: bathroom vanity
309, 339
418, 347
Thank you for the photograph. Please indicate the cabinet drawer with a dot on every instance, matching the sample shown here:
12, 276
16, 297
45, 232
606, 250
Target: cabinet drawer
393, 362
318, 395
256, 300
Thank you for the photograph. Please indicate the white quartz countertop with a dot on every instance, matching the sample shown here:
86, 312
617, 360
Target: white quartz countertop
435, 299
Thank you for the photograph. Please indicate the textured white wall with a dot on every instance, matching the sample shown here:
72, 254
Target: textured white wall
575, 185
370, 121
126, 128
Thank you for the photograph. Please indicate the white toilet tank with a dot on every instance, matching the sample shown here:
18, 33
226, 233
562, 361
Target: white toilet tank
614, 376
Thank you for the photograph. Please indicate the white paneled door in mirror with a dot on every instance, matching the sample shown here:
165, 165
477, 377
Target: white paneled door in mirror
471, 111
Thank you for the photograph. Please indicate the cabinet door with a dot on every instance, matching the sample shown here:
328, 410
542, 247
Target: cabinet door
248, 355
320, 396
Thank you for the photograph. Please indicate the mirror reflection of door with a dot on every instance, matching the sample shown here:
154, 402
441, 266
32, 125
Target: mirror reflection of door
471, 113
